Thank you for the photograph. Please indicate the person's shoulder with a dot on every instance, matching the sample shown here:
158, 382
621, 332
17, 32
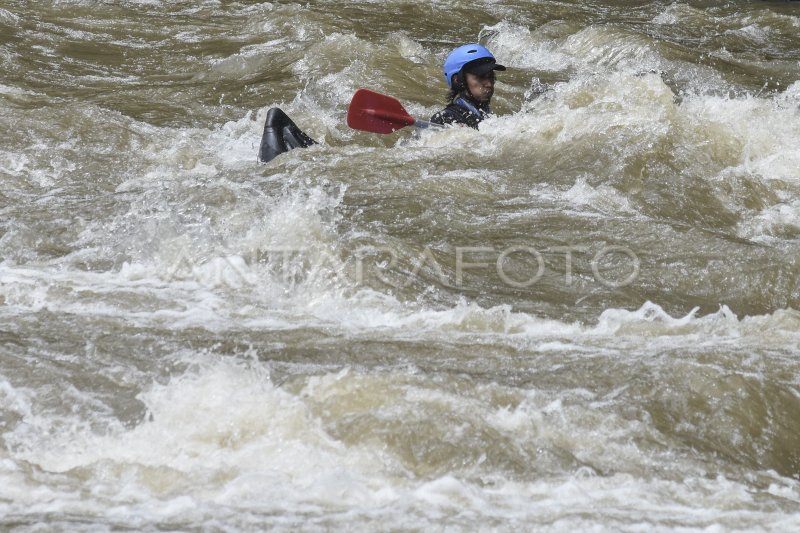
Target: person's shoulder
454, 114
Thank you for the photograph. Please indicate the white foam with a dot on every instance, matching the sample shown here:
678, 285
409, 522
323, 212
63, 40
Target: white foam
223, 433
228, 293
611, 320
15, 399
13, 164
8, 17
780, 221
602, 198
517, 47
222, 436
671, 15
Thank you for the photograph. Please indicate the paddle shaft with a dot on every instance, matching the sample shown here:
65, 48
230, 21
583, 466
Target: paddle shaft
422, 124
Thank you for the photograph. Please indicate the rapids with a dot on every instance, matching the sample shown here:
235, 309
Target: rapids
583, 316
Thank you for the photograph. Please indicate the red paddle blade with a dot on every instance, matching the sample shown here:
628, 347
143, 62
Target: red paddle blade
377, 113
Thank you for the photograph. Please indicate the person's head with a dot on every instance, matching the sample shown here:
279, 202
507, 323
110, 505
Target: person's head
469, 69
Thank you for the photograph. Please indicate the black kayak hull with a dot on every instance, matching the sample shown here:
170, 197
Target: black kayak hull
281, 135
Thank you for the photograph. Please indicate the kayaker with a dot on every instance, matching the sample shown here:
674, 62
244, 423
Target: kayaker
469, 72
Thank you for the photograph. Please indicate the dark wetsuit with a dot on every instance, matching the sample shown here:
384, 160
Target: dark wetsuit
462, 111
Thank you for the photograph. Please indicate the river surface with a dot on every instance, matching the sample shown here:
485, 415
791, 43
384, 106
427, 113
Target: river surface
583, 316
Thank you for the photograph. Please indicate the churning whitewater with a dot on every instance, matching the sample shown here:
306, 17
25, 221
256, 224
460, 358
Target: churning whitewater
581, 316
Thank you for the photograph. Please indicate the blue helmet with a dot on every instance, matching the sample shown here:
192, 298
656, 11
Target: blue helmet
466, 54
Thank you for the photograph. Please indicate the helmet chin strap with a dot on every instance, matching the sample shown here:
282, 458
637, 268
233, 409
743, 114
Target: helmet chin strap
470, 106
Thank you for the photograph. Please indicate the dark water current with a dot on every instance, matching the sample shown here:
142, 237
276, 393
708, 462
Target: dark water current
582, 316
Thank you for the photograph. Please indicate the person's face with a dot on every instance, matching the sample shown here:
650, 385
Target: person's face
481, 87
